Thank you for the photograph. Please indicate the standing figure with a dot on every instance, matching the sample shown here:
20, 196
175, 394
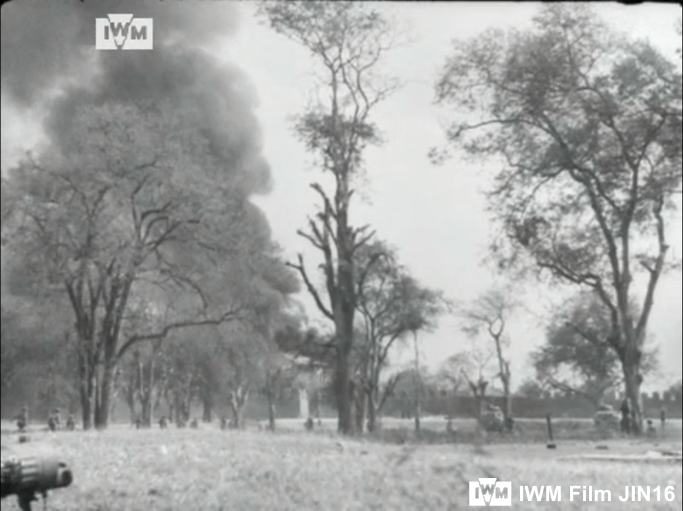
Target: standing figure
56, 412
509, 424
52, 422
625, 417
651, 431
662, 418
22, 419
71, 422
224, 422
163, 422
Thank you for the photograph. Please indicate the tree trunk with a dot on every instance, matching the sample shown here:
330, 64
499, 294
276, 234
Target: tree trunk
105, 391
507, 400
87, 408
318, 403
238, 416
87, 383
271, 411
345, 304
304, 412
504, 375
418, 384
207, 412
207, 397
343, 392
360, 408
372, 411
479, 392
146, 418
129, 395
633, 381
238, 400
148, 383
417, 410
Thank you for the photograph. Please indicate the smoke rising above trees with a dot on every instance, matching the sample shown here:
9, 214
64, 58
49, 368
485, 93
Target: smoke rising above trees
49, 61
141, 195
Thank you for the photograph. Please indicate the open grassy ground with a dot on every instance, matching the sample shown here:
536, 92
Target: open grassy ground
123, 469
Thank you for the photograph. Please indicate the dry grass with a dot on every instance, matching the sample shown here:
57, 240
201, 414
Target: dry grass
210, 470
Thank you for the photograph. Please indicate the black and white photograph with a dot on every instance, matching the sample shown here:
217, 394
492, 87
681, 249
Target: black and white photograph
318, 255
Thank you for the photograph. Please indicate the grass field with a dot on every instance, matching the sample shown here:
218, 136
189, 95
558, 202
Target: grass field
122, 469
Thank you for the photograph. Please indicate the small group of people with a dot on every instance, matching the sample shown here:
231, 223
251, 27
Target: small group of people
54, 420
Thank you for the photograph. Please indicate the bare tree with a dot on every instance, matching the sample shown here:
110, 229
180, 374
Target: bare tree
490, 312
348, 40
472, 367
281, 373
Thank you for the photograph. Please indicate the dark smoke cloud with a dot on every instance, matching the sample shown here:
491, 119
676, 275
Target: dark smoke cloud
43, 40
39, 44
46, 43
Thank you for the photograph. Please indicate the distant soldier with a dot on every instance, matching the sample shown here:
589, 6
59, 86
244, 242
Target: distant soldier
224, 422
509, 424
625, 417
651, 431
662, 418
309, 424
138, 422
194, 424
71, 422
22, 419
56, 412
163, 422
52, 422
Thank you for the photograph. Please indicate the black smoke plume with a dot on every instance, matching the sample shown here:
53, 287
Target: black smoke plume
49, 61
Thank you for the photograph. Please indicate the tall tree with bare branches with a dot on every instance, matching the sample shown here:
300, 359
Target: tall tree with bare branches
490, 313
348, 40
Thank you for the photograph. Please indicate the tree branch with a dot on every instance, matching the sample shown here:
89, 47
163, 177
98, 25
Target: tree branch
230, 315
311, 288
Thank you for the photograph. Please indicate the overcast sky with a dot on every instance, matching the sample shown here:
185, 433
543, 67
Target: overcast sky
434, 215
